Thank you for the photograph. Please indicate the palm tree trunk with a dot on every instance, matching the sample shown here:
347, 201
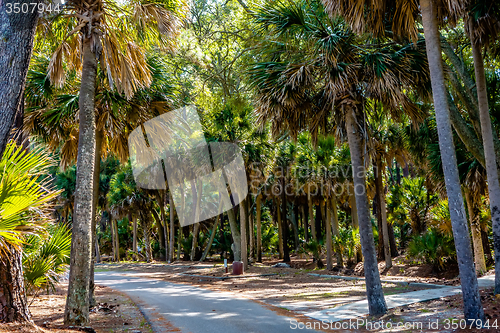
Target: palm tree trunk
77, 303
172, 221
295, 226
489, 152
335, 228
179, 242
160, 196
305, 221
251, 234
146, 235
243, 229
375, 295
13, 304
355, 221
194, 243
476, 232
134, 238
259, 227
284, 222
470, 292
17, 32
211, 239
311, 217
379, 184
329, 254
161, 229
95, 198
280, 230
116, 240
112, 229
235, 233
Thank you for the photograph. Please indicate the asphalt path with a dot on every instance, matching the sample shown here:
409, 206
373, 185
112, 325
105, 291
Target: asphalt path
172, 307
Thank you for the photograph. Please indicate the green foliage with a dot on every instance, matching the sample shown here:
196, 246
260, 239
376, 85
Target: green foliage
435, 248
46, 257
25, 194
347, 242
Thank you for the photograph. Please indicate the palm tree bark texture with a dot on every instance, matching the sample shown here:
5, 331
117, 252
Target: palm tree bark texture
489, 150
374, 292
77, 302
17, 32
472, 303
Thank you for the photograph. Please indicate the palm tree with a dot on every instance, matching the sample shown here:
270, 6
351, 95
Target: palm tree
107, 33
25, 196
483, 25
290, 96
403, 16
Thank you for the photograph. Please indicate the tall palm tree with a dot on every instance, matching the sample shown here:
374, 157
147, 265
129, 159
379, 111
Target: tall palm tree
25, 197
373, 17
314, 73
483, 22
109, 34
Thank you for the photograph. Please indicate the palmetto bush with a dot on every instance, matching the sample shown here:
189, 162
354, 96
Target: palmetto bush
46, 257
26, 197
347, 242
434, 247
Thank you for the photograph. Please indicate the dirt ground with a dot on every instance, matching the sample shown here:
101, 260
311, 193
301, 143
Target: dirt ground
281, 288
115, 312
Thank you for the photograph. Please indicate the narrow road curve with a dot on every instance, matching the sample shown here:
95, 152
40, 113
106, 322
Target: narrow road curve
171, 307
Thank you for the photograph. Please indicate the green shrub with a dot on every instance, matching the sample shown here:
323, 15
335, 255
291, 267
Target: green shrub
435, 248
46, 257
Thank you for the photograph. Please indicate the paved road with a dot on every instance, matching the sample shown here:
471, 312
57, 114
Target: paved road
178, 307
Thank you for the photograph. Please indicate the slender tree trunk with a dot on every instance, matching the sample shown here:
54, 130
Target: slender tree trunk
305, 221
116, 240
172, 221
335, 228
251, 234
243, 230
95, 200
259, 227
375, 295
134, 238
379, 179
97, 251
17, 32
13, 304
77, 302
235, 233
179, 242
476, 232
161, 231
284, 220
311, 217
489, 152
160, 196
470, 291
355, 222
280, 230
392, 241
211, 239
113, 244
147, 239
295, 225
194, 244
329, 253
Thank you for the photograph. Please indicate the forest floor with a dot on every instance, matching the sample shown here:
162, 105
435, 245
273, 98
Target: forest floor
115, 312
294, 290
